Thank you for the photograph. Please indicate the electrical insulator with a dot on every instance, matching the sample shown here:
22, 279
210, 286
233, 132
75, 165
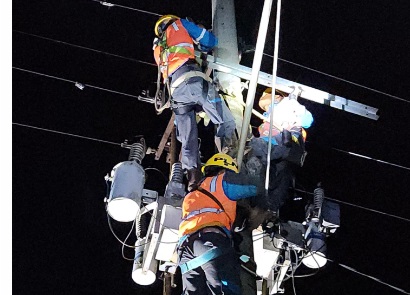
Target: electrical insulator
315, 242
175, 188
318, 197
137, 151
128, 179
177, 174
138, 275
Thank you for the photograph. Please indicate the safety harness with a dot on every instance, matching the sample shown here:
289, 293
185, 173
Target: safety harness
213, 252
165, 51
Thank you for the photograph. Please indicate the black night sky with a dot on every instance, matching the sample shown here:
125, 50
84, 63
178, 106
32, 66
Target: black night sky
65, 140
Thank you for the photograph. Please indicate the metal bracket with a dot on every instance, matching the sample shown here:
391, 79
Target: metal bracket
287, 86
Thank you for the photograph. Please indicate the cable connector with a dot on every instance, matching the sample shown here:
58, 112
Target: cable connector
106, 4
79, 85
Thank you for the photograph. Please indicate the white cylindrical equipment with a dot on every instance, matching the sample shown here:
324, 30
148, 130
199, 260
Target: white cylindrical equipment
138, 275
315, 241
128, 180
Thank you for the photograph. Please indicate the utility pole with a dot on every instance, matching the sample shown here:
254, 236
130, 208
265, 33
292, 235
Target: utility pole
224, 27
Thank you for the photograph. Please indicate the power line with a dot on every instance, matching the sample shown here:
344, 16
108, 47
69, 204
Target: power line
369, 158
83, 47
341, 79
65, 133
110, 4
104, 141
368, 276
342, 265
366, 157
152, 64
75, 83
122, 93
357, 206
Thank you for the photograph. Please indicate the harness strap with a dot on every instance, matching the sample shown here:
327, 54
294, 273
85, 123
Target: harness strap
204, 191
201, 260
210, 195
187, 76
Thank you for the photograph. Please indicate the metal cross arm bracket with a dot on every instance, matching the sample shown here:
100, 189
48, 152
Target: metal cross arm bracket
287, 86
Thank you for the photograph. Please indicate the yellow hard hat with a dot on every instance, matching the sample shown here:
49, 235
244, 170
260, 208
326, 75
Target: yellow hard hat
221, 160
161, 23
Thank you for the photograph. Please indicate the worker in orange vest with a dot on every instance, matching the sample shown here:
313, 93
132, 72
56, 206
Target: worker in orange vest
191, 90
208, 262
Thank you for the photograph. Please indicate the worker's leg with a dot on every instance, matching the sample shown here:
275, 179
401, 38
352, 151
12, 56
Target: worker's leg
220, 115
187, 134
280, 180
222, 273
193, 281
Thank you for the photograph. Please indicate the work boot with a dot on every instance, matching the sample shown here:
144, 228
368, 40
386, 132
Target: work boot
194, 176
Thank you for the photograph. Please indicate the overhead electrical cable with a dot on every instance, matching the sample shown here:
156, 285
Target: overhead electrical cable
341, 79
342, 265
367, 157
75, 83
110, 4
83, 47
354, 154
65, 133
130, 95
122, 93
361, 207
152, 64
368, 276
299, 190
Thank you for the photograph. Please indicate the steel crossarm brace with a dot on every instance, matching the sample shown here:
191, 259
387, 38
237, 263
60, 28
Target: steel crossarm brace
308, 93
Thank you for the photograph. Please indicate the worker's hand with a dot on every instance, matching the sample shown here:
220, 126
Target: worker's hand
155, 43
203, 48
202, 115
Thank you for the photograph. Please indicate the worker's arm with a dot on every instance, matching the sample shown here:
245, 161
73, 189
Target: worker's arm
205, 39
239, 186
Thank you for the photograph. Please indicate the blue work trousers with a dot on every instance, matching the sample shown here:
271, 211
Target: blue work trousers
280, 173
192, 93
215, 277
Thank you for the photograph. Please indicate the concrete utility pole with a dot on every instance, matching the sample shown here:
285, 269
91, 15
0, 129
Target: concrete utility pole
224, 27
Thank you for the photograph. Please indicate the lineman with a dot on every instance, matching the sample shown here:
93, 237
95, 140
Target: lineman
288, 145
191, 89
205, 252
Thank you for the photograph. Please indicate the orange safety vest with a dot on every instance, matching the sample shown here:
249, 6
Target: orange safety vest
174, 49
199, 210
264, 131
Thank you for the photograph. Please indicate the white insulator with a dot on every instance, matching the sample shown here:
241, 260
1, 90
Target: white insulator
138, 275
124, 202
315, 242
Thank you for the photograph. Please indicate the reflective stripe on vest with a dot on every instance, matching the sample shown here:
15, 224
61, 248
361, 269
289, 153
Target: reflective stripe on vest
195, 201
203, 210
